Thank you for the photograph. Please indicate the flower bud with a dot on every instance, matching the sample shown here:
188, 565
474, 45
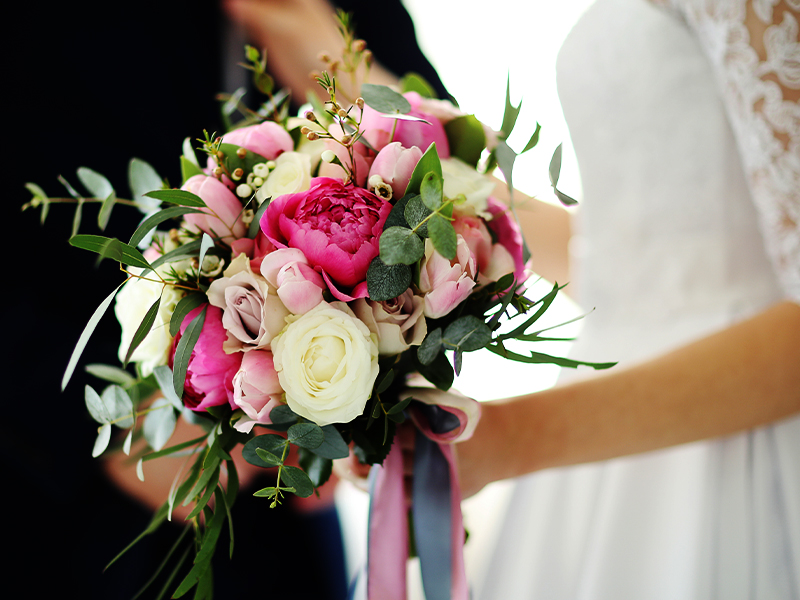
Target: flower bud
220, 154
218, 172
328, 156
359, 45
360, 102
243, 190
305, 130
241, 152
346, 139
310, 116
237, 173
312, 136
342, 113
261, 169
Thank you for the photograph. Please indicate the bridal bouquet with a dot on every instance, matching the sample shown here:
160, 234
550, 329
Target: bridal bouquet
283, 295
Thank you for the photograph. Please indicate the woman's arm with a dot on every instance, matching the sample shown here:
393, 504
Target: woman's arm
739, 378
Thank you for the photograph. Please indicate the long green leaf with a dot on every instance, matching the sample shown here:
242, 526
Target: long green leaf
85, 335
158, 518
156, 219
184, 351
180, 197
144, 328
110, 248
541, 358
173, 449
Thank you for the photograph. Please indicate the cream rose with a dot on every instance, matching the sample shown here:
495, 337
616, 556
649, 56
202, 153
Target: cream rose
398, 323
460, 178
132, 303
292, 174
327, 362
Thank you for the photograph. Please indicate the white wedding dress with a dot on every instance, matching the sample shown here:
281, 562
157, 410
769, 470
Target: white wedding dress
686, 125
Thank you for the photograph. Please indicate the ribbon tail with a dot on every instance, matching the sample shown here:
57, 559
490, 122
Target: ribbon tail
438, 527
387, 545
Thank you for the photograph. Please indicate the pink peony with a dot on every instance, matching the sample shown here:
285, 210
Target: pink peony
256, 389
336, 226
255, 249
509, 235
394, 166
377, 129
222, 217
445, 283
268, 139
209, 377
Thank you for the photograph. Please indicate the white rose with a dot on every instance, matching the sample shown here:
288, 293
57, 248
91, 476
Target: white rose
132, 303
292, 174
460, 178
327, 363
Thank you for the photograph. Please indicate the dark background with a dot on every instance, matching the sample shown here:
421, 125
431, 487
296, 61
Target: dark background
95, 84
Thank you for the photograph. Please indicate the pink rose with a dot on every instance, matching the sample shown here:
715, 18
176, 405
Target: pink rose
335, 225
256, 389
377, 129
252, 313
398, 322
255, 249
268, 139
509, 235
444, 283
394, 166
209, 377
222, 217
492, 260
299, 286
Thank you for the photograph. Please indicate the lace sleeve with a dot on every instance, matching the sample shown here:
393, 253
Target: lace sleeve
754, 47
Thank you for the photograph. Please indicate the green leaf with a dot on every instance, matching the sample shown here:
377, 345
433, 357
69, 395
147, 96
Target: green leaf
209, 485
104, 214
400, 246
96, 406
202, 562
189, 169
163, 376
430, 347
184, 351
385, 282
443, 236
268, 457
306, 435
466, 139
428, 163
318, 469
439, 372
384, 99
267, 492
119, 406
282, 415
467, 333
173, 450
232, 161
511, 112
413, 82
297, 478
85, 335
156, 219
333, 446
255, 224
181, 252
534, 139
110, 248
206, 243
505, 162
185, 305
98, 186
565, 200
159, 424
400, 406
142, 178
144, 328
384, 382
541, 358
397, 217
271, 442
101, 443
111, 373
555, 166
180, 197
416, 212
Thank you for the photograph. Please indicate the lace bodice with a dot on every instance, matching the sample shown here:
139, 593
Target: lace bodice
754, 47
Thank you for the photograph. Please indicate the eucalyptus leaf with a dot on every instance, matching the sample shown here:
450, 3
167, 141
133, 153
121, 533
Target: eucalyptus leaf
163, 376
282, 414
428, 163
185, 305
159, 423
96, 406
467, 333
119, 406
126, 445
97, 185
384, 99
333, 446
143, 330
443, 236
431, 191
76, 218
268, 457
110, 248
111, 373
385, 282
85, 335
156, 219
104, 215
416, 212
317, 468
397, 217
183, 352
399, 245
143, 178
466, 139
306, 435
555, 166
103, 438
179, 197
206, 243
430, 347
271, 442
267, 492
297, 478
439, 372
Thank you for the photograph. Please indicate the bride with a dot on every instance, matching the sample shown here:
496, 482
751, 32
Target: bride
685, 119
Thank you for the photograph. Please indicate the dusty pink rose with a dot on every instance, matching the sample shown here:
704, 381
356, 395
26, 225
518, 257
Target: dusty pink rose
209, 377
222, 217
394, 165
377, 129
336, 226
299, 286
268, 139
252, 312
398, 323
509, 235
492, 260
444, 283
256, 389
